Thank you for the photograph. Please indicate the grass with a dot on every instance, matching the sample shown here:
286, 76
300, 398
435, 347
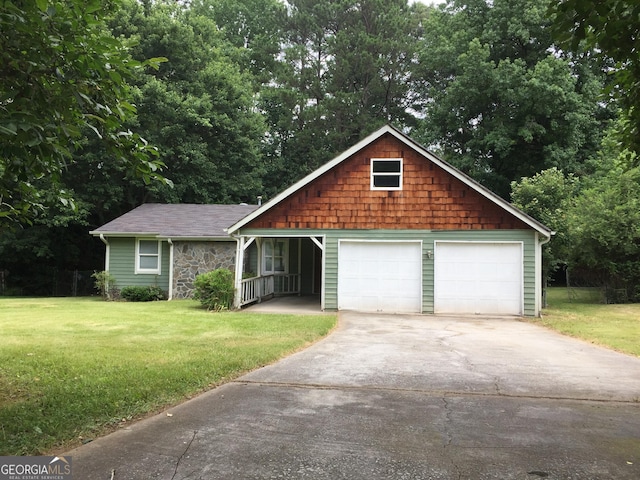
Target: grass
73, 369
580, 313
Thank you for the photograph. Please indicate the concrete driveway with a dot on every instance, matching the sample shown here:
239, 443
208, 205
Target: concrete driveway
400, 397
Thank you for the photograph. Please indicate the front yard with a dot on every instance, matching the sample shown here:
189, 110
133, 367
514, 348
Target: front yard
73, 369
580, 313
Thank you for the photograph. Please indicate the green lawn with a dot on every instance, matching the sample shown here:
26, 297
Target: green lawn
72, 369
581, 313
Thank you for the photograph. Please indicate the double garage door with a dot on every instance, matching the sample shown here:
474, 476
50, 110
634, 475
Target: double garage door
469, 277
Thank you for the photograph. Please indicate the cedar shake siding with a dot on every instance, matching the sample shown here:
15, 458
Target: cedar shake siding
430, 199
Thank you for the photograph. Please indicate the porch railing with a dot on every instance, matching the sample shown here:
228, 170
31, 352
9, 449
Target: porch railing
254, 289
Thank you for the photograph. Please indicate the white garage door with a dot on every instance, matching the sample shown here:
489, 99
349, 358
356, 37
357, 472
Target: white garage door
380, 276
478, 278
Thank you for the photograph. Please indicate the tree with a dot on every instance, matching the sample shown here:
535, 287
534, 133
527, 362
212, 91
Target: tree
604, 224
253, 28
547, 197
498, 102
198, 107
610, 28
345, 69
62, 74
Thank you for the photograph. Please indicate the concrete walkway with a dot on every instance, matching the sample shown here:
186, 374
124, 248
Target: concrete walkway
400, 397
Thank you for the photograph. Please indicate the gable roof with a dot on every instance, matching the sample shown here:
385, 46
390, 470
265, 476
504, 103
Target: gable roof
387, 129
176, 221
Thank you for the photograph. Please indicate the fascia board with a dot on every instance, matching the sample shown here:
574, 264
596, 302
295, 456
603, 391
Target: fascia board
97, 233
178, 238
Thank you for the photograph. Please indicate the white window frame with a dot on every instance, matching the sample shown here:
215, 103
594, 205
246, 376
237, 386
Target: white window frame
285, 255
374, 174
139, 255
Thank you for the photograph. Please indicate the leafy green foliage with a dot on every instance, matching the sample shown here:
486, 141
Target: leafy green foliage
597, 219
344, 70
498, 101
546, 197
63, 74
610, 29
197, 108
215, 289
138, 293
604, 227
105, 283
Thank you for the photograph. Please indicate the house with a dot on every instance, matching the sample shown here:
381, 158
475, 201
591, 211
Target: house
168, 245
384, 227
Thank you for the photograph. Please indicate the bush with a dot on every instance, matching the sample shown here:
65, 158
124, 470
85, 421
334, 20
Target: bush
215, 289
142, 294
105, 283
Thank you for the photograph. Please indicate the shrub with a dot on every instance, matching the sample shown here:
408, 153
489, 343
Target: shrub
142, 294
215, 289
105, 283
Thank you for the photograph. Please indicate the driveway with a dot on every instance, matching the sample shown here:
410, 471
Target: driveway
400, 397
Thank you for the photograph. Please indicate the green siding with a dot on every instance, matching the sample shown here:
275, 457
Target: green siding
428, 238
122, 265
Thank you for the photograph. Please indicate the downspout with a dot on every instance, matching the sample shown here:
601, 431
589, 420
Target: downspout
107, 254
107, 257
540, 293
170, 269
237, 299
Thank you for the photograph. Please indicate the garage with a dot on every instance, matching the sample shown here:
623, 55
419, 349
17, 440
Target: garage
380, 276
478, 278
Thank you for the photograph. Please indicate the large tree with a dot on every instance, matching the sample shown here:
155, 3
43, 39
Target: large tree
253, 27
198, 107
344, 70
499, 101
609, 28
547, 196
62, 74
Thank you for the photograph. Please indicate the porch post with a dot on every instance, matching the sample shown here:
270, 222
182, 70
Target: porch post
299, 281
259, 268
237, 302
320, 243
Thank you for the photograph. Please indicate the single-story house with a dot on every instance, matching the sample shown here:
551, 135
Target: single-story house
386, 226
168, 245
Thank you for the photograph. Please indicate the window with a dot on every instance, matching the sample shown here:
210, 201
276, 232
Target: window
274, 255
148, 256
386, 174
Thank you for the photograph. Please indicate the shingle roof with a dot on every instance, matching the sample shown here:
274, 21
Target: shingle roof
177, 220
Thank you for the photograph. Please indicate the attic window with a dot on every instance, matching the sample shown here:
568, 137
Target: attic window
386, 174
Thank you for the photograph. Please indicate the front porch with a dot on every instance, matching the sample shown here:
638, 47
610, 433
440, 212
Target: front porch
269, 267
292, 304
255, 289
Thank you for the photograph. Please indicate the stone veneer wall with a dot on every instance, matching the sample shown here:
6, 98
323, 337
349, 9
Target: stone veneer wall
193, 258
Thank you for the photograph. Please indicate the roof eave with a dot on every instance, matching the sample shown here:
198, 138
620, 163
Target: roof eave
97, 233
196, 238
162, 236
